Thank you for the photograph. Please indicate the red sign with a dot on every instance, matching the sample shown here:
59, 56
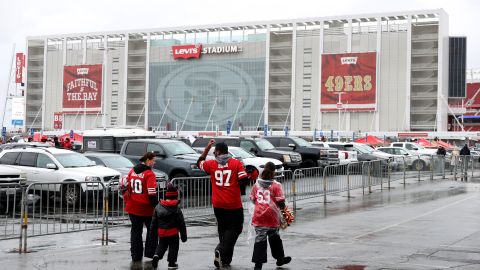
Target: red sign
19, 67
82, 88
412, 134
186, 51
57, 120
349, 79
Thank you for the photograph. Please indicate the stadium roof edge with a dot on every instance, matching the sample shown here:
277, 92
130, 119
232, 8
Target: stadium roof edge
242, 24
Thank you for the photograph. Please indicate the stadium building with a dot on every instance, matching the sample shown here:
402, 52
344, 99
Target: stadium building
377, 72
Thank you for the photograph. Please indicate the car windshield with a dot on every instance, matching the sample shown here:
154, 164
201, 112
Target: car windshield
117, 162
301, 142
240, 153
178, 148
264, 145
73, 160
363, 148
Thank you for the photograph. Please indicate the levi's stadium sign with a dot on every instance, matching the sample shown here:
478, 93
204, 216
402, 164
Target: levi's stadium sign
196, 50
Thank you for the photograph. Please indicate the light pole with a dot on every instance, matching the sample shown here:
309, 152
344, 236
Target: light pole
339, 108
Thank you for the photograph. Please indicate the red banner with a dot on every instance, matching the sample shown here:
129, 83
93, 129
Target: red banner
57, 120
349, 82
19, 67
82, 88
186, 51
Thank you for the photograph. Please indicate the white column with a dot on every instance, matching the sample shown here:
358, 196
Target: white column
267, 74
319, 100
443, 51
84, 48
378, 82
293, 83
409, 73
44, 82
349, 50
125, 80
147, 82
64, 63
105, 81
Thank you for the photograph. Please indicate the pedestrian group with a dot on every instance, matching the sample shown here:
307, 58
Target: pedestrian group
164, 219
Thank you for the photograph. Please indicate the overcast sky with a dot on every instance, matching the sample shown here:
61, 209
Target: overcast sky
22, 18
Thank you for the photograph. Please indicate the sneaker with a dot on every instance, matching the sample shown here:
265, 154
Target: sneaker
258, 266
172, 265
218, 260
284, 260
155, 261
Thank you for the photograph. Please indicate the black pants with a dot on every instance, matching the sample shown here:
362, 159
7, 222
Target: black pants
136, 241
230, 226
260, 247
171, 243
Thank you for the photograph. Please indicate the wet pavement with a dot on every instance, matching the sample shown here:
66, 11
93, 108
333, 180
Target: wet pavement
424, 225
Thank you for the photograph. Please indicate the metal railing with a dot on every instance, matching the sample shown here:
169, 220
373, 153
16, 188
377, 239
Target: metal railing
50, 208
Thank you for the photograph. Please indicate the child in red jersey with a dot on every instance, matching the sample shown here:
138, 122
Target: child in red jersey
168, 222
267, 195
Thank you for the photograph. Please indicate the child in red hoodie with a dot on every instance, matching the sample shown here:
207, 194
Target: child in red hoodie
168, 222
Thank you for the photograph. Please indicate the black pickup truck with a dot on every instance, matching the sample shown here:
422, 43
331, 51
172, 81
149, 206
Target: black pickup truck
312, 156
258, 147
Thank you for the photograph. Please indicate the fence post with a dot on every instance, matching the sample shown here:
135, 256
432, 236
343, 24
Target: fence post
348, 181
455, 160
22, 210
443, 166
105, 214
325, 185
404, 171
418, 168
25, 220
431, 167
369, 178
294, 190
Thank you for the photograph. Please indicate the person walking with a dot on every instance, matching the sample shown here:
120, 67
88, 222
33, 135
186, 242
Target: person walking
269, 200
141, 198
167, 223
441, 151
67, 144
465, 157
228, 179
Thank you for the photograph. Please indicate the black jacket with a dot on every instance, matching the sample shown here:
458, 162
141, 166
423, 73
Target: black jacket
167, 217
465, 151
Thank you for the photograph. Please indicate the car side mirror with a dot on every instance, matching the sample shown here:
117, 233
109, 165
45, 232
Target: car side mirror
406, 154
415, 148
51, 166
291, 145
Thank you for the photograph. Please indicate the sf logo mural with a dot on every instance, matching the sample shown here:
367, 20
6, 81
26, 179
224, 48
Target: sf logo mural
196, 91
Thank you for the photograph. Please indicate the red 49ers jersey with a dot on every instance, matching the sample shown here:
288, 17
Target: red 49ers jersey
141, 186
225, 185
266, 212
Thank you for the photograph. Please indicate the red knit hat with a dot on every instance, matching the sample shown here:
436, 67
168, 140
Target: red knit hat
172, 192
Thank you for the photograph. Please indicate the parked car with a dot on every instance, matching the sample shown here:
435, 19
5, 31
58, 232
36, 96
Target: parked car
58, 165
12, 181
123, 165
253, 165
475, 155
175, 158
256, 146
344, 155
367, 153
312, 156
412, 159
416, 148
23, 145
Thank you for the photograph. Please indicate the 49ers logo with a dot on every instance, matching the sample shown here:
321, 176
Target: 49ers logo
186, 51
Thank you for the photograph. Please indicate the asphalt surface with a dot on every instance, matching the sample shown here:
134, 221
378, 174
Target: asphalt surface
424, 225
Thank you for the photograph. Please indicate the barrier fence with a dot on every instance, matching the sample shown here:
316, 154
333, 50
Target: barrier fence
50, 207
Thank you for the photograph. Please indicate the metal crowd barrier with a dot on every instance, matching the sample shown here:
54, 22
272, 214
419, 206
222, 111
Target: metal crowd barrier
10, 210
195, 196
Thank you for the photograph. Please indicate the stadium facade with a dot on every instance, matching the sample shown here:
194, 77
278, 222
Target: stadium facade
370, 72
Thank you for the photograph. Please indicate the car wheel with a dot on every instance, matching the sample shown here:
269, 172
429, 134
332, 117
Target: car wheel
419, 165
71, 194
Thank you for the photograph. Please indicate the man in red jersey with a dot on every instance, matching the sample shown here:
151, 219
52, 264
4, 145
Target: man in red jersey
141, 199
228, 178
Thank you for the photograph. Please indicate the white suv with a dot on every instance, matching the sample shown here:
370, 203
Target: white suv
43, 165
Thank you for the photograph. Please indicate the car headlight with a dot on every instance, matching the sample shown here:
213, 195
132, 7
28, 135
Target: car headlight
194, 166
286, 158
92, 179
